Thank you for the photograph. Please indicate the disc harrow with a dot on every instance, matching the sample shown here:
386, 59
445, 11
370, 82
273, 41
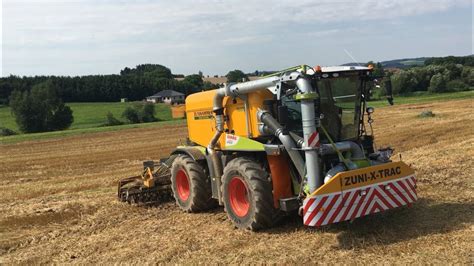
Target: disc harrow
151, 187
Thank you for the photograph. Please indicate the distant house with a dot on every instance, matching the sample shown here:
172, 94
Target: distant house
166, 96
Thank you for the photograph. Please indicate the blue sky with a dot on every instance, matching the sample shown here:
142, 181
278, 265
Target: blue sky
76, 37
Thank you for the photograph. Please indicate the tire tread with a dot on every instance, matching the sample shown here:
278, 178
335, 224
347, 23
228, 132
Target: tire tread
261, 188
201, 194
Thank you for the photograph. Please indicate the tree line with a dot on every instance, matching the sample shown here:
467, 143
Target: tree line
132, 83
439, 74
447, 74
462, 60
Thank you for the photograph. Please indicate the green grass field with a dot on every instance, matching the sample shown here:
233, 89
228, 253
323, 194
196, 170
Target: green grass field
418, 62
89, 115
6, 119
79, 131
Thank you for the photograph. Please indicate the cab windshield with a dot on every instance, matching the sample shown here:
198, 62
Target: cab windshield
339, 106
340, 102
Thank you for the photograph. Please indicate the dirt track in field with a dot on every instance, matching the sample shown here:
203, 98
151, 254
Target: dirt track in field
57, 203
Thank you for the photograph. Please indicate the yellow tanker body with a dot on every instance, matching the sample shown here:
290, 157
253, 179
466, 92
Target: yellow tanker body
241, 117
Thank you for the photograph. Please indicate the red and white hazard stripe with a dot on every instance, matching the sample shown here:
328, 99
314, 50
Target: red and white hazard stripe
350, 204
313, 140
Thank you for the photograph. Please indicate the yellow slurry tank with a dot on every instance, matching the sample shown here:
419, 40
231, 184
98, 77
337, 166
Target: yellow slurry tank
241, 117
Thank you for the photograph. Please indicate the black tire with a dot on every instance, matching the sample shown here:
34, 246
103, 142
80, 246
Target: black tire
258, 193
199, 194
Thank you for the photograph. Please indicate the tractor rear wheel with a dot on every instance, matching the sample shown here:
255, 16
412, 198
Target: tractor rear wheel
191, 187
247, 194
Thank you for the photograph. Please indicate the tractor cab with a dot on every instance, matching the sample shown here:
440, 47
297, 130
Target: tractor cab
341, 103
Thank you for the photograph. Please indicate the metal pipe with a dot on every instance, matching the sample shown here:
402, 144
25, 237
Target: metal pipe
218, 109
356, 151
250, 86
334, 171
313, 167
343, 146
275, 128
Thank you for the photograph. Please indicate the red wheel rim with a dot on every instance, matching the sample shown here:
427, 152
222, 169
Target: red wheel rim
182, 185
238, 196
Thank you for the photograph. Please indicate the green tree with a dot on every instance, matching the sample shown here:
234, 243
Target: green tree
148, 113
207, 85
131, 115
437, 83
467, 76
236, 76
40, 109
158, 71
6, 132
140, 113
423, 77
193, 83
456, 85
455, 71
404, 82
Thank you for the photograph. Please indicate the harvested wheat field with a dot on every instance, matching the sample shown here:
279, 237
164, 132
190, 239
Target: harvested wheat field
58, 203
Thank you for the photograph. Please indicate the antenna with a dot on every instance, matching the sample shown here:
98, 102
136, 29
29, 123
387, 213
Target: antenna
349, 54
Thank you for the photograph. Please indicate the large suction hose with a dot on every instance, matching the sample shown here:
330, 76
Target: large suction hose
290, 146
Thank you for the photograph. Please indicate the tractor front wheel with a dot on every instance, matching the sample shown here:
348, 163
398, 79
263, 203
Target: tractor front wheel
247, 194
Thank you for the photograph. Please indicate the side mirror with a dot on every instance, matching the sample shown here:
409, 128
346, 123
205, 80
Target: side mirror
388, 90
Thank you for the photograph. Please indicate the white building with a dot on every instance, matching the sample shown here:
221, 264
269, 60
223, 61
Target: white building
166, 96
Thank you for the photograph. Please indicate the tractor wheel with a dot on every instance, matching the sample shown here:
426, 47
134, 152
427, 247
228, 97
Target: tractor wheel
191, 187
247, 194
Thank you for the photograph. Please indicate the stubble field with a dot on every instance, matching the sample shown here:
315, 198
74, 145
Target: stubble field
58, 204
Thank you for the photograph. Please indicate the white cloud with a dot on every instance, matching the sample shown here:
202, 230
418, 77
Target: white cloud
104, 28
39, 21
